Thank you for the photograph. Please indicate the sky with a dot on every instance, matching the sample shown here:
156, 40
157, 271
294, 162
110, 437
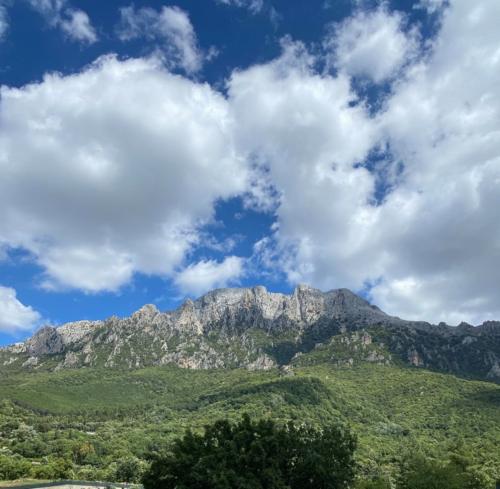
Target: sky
152, 151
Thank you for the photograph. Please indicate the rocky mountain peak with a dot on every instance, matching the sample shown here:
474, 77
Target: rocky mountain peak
255, 328
146, 312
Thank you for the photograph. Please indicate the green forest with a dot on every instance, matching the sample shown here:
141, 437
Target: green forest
104, 424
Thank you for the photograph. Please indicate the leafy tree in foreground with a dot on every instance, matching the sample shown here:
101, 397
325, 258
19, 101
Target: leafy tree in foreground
255, 455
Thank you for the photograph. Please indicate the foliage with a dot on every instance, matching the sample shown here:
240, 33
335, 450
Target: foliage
421, 473
98, 420
378, 483
255, 455
129, 469
13, 467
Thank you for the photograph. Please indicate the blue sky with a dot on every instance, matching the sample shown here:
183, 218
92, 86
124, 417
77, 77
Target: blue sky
151, 151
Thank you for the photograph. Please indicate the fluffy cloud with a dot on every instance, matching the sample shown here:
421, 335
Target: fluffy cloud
170, 27
209, 274
112, 171
444, 125
15, 316
372, 44
429, 248
309, 131
75, 23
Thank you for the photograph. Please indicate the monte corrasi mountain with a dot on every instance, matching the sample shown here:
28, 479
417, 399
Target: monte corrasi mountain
260, 330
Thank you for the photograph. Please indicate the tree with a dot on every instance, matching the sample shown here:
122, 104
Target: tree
13, 467
254, 455
378, 483
422, 473
128, 470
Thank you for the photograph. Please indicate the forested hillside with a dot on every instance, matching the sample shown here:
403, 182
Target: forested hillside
102, 423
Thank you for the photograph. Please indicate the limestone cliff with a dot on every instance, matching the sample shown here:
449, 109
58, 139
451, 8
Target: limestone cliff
257, 329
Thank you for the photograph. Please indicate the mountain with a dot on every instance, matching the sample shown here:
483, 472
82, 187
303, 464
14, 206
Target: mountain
260, 330
81, 400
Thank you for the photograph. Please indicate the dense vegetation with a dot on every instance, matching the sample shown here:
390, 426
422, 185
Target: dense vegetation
256, 454
265, 455
103, 423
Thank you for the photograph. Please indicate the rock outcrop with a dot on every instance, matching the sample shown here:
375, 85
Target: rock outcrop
257, 329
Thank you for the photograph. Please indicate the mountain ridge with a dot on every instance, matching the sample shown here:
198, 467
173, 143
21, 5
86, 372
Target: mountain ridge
257, 329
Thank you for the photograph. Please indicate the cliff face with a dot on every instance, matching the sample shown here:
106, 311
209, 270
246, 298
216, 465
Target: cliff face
257, 329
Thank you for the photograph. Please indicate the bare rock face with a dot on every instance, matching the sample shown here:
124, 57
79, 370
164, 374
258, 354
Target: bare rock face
263, 362
259, 330
490, 327
414, 358
74, 332
146, 313
47, 341
494, 373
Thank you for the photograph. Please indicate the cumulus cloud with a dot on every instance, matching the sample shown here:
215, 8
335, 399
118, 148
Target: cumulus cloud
112, 171
444, 125
15, 316
171, 27
205, 275
310, 131
372, 44
429, 249
75, 23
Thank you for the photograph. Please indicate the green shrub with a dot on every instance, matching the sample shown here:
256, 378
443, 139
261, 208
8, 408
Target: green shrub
422, 473
12, 468
128, 470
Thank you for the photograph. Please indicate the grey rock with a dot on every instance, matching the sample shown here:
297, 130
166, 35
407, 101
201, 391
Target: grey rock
246, 327
47, 341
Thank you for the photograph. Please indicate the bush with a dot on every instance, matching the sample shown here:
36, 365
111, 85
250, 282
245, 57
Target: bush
128, 470
421, 473
58, 468
374, 484
256, 455
12, 468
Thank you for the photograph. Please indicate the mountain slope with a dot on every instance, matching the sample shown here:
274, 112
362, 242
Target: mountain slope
89, 396
96, 417
257, 329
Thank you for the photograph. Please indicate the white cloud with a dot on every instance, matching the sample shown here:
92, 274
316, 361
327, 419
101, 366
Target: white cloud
254, 6
15, 316
171, 27
77, 26
112, 171
205, 275
431, 245
431, 6
372, 44
4, 22
310, 132
75, 23
444, 125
